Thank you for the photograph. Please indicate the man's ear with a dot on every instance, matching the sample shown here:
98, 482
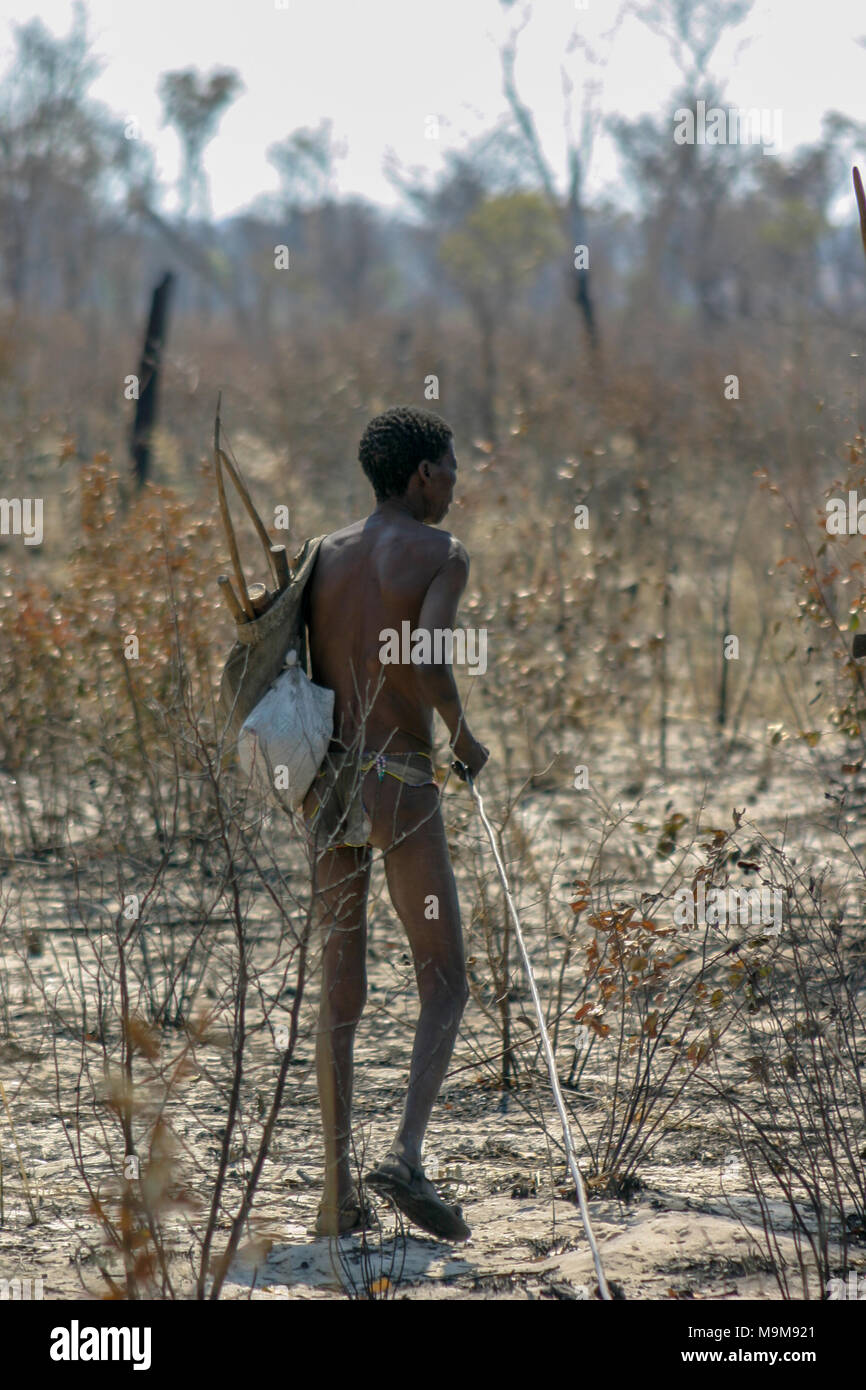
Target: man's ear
425, 468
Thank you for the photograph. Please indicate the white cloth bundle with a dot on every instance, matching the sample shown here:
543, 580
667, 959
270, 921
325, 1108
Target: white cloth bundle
283, 741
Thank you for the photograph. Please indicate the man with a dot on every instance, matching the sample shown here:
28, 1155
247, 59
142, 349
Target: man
377, 791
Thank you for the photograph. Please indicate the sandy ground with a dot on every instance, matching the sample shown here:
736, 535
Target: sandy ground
691, 1231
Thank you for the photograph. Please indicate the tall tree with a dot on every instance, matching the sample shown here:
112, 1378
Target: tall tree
63, 158
193, 103
686, 187
306, 163
502, 244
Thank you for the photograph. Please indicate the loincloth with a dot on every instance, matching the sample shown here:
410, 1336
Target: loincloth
340, 816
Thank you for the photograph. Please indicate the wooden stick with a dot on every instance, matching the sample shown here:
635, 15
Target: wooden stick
247, 500
861, 205
231, 598
259, 598
281, 566
227, 520
570, 1156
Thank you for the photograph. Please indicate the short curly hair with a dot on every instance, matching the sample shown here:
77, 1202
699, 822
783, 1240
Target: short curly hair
395, 443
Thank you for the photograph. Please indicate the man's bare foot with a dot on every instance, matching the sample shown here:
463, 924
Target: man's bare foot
351, 1214
415, 1196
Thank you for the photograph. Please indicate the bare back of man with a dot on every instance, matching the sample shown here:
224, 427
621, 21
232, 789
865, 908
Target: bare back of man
373, 577
369, 578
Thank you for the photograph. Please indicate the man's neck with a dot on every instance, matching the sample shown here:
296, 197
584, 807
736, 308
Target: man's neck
395, 507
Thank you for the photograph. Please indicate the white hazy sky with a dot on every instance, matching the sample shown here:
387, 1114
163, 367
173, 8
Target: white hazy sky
378, 68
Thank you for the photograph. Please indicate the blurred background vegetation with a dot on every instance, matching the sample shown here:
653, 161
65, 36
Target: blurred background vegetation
601, 379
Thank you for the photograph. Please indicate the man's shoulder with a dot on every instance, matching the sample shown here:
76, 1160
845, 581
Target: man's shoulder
430, 549
453, 551
456, 548
440, 550
334, 544
350, 532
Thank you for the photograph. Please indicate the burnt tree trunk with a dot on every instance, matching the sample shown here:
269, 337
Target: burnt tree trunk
575, 221
148, 378
581, 283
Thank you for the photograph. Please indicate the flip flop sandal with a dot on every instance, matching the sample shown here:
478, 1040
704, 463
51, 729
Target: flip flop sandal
351, 1215
416, 1197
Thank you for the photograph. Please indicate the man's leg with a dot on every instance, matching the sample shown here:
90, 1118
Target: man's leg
342, 881
407, 826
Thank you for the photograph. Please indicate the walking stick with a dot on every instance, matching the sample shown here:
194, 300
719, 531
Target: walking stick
859, 644
463, 772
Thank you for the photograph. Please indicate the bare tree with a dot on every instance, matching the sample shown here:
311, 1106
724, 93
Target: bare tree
692, 29
571, 211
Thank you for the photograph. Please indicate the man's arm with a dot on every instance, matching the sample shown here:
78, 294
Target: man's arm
439, 611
